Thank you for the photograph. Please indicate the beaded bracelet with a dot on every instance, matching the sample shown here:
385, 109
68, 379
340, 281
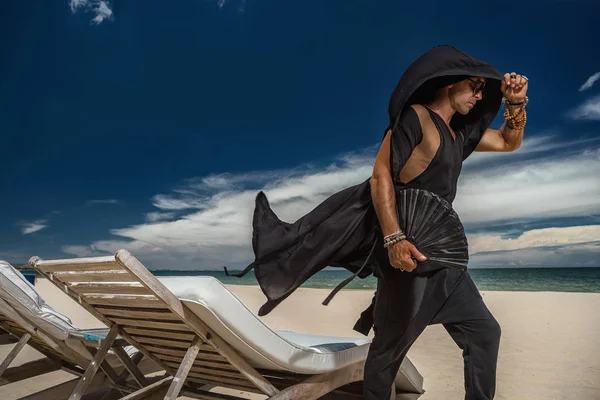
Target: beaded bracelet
514, 122
393, 238
392, 235
519, 120
517, 103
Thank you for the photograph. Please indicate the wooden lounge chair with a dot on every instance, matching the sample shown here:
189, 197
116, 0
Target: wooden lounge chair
26, 317
204, 337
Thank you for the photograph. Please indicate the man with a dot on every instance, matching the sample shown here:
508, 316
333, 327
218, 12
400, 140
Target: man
429, 156
440, 112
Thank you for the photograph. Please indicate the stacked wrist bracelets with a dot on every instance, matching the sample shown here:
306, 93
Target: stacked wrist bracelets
518, 120
393, 238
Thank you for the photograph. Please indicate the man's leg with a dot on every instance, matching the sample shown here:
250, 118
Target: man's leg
404, 307
476, 331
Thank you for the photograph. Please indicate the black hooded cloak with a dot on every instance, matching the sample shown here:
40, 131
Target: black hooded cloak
343, 230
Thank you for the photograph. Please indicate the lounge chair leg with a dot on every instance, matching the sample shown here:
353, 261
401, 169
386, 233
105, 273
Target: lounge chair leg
109, 371
318, 386
13, 353
95, 364
144, 392
130, 366
184, 369
135, 360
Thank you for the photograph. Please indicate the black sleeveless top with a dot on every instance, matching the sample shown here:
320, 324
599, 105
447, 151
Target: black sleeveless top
441, 175
339, 232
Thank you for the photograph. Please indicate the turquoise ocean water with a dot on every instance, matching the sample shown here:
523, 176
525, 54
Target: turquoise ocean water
523, 279
500, 279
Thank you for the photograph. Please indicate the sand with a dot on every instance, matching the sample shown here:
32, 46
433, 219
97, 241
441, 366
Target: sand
550, 346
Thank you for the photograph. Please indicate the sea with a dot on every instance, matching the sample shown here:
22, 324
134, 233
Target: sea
585, 280
500, 279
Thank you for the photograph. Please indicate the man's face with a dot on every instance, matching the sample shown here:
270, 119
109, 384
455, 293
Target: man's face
466, 93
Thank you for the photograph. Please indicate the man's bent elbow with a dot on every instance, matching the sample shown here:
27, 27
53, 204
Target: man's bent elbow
373, 183
375, 179
379, 179
513, 146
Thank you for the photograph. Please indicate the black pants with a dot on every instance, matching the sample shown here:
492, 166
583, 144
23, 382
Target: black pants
407, 303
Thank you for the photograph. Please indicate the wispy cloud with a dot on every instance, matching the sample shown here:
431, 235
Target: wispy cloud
158, 216
106, 201
81, 251
547, 187
535, 238
533, 147
31, 227
588, 110
100, 8
590, 82
168, 202
241, 4
216, 227
574, 255
15, 256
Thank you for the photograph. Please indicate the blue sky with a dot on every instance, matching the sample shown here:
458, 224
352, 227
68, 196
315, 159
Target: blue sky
152, 125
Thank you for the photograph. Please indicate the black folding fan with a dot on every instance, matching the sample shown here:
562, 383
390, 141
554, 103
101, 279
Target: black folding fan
430, 223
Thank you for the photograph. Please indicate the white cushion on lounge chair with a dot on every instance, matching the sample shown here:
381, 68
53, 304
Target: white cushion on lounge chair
322, 344
23, 297
220, 309
20, 294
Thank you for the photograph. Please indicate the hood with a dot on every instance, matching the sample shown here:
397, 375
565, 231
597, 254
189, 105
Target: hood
440, 66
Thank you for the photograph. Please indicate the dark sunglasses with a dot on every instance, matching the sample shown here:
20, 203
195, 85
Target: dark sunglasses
479, 87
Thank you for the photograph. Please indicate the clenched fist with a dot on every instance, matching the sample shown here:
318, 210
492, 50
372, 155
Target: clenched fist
514, 87
404, 255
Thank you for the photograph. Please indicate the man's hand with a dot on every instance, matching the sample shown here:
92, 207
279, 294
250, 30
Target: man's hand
404, 255
514, 87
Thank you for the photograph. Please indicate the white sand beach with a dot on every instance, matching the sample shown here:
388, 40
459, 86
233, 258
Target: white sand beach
550, 347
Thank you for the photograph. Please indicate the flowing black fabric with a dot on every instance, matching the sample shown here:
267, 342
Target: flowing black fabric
343, 230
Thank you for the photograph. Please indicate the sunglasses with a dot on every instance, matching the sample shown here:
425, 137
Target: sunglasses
479, 87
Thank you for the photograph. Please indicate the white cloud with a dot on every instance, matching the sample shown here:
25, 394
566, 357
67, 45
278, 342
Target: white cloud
579, 255
590, 82
533, 146
107, 247
547, 237
217, 227
540, 188
167, 202
31, 227
100, 8
158, 216
81, 251
589, 110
